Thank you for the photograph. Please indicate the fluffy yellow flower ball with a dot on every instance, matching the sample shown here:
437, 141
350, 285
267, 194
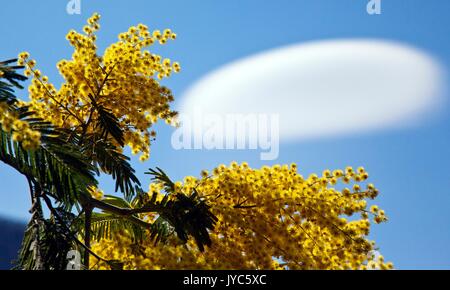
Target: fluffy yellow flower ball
123, 81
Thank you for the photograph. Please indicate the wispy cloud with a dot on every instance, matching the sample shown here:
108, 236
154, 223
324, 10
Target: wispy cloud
325, 88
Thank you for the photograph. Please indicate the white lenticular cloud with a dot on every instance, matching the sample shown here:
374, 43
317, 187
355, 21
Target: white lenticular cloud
325, 88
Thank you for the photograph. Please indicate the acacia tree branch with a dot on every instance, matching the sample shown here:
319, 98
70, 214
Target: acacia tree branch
126, 213
87, 233
123, 212
36, 221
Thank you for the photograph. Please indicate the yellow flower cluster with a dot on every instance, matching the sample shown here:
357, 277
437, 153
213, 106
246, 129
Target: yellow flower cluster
271, 218
124, 81
96, 192
21, 131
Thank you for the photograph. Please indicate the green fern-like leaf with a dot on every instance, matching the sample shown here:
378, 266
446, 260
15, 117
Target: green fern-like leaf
110, 160
188, 215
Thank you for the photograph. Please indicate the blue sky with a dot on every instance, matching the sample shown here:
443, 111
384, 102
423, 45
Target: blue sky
409, 166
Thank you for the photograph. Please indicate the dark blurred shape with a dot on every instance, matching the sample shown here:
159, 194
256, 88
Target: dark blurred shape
11, 233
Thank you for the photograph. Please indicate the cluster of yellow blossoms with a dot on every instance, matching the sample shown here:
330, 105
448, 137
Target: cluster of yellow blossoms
21, 131
124, 81
96, 192
272, 218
